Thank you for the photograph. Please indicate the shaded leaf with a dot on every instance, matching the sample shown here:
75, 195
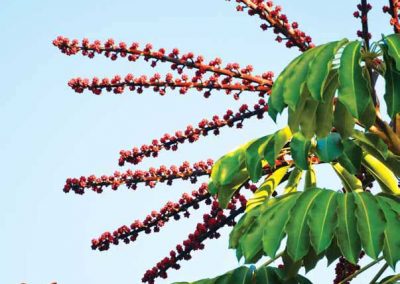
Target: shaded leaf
393, 47
330, 147
276, 143
343, 120
392, 85
351, 156
254, 154
299, 148
370, 140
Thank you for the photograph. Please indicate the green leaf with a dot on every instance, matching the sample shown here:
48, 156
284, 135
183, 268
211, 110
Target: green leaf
351, 156
382, 174
322, 221
293, 181
343, 120
354, 92
346, 232
241, 275
320, 67
254, 156
274, 228
295, 81
297, 229
308, 121
276, 143
392, 85
294, 117
367, 119
391, 243
266, 275
324, 115
299, 148
330, 147
275, 102
393, 47
266, 188
225, 192
370, 223
349, 181
393, 201
370, 141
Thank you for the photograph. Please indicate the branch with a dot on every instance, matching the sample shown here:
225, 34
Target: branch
178, 62
278, 21
192, 134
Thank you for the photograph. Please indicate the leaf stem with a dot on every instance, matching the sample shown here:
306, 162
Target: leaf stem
380, 272
391, 279
348, 278
268, 262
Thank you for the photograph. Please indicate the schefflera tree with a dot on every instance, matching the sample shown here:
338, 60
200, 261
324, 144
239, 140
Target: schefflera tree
334, 118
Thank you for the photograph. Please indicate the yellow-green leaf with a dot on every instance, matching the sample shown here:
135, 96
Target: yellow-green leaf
349, 181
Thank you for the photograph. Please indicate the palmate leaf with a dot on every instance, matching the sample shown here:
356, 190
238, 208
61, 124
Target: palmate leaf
323, 221
245, 275
391, 243
392, 84
354, 92
317, 78
254, 154
299, 148
297, 228
343, 120
294, 82
393, 47
330, 147
370, 223
346, 232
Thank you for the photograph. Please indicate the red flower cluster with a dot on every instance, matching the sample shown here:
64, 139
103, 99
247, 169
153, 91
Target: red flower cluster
212, 222
192, 134
393, 11
155, 220
132, 178
278, 21
178, 62
117, 85
344, 269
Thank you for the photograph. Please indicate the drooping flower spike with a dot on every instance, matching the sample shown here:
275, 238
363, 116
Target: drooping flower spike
393, 10
155, 220
178, 62
117, 85
192, 134
132, 178
208, 229
277, 21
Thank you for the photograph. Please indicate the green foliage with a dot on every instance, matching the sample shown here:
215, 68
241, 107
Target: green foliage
312, 219
245, 275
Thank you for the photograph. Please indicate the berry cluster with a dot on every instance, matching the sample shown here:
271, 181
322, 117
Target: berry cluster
155, 220
344, 269
362, 13
393, 10
278, 22
212, 222
178, 62
132, 178
192, 134
117, 85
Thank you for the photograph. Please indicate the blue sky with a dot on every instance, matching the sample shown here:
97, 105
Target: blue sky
50, 133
